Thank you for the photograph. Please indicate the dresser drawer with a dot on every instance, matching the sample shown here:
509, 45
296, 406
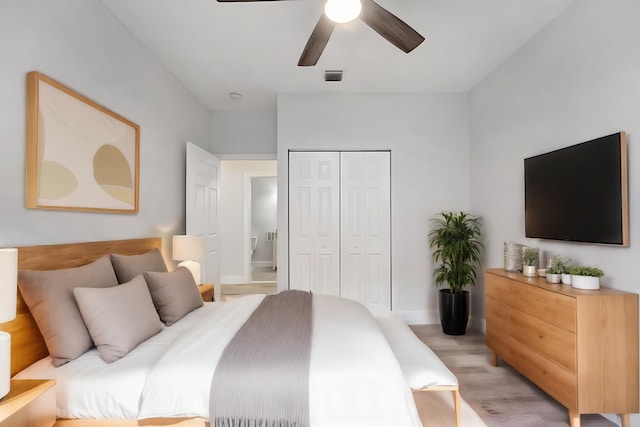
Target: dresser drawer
497, 287
550, 341
559, 382
497, 316
555, 308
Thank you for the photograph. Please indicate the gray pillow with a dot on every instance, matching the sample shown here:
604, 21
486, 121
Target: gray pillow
49, 296
129, 266
174, 294
118, 318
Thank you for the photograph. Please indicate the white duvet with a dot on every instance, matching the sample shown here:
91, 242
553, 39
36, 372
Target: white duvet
355, 379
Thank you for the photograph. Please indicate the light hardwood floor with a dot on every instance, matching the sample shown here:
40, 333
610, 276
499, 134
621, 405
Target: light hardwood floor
234, 291
263, 274
500, 395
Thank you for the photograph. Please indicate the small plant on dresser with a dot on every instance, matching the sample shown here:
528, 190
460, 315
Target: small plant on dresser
585, 277
556, 270
530, 262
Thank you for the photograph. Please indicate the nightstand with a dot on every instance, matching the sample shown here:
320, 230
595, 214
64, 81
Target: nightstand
206, 290
29, 403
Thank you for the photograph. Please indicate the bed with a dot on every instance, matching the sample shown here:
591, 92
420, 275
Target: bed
354, 377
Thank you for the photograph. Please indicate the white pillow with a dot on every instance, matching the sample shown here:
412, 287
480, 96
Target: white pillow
118, 318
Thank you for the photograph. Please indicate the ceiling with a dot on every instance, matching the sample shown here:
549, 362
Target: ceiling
253, 48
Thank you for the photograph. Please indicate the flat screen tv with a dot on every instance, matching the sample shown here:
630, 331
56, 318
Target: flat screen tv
579, 193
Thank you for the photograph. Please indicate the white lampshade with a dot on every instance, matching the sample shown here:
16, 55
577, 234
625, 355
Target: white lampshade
8, 283
8, 293
342, 11
188, 248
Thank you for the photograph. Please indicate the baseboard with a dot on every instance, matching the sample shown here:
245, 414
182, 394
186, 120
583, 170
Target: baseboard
478, 324
417, 317
233, 280
262, 263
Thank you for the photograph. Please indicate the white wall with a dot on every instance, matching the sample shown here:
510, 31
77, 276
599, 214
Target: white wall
81, 45
243, 132
234, 220
428, 139
576, 80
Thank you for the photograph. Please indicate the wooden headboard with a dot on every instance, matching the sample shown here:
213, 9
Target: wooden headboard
27, 344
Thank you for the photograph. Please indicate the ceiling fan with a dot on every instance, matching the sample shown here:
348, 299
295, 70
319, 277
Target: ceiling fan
389, 26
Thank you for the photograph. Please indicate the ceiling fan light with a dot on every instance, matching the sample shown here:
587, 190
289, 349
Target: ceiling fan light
342, 11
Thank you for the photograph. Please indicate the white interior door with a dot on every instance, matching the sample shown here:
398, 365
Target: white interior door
365, 211
203, 173
314, 216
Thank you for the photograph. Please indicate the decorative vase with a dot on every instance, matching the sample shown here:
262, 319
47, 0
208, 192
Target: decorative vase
512, 256
566, 279
554, 278
585, 282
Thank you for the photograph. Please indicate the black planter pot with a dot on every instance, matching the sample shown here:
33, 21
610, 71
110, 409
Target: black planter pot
454, 311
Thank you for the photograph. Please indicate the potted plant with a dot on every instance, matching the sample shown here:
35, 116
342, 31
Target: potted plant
585, 277
566, 273
555, 271
455, 244
530, 262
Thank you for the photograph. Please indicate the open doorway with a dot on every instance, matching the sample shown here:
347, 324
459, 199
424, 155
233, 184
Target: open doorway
263, 229
236, 228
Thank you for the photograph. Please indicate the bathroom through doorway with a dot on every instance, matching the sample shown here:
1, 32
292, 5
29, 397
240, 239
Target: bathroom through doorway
263, 229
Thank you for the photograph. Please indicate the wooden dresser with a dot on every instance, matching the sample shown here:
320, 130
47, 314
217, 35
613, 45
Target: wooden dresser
579, 346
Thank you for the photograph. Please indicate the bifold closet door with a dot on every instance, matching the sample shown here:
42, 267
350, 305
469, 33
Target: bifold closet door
365, 211
339, 225
314, 222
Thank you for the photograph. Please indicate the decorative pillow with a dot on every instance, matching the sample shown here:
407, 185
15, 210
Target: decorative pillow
118, 318
129, 266
174, 294
49, 296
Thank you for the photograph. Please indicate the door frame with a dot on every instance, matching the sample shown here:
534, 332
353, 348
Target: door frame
245, 277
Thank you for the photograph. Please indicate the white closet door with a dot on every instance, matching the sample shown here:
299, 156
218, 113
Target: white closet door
365, 229
314, 229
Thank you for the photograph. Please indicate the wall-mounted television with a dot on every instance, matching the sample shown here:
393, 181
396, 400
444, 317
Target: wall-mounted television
579, 193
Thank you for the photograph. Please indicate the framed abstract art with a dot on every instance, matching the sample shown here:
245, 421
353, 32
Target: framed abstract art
80, 155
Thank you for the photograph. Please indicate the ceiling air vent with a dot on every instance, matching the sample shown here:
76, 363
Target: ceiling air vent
333, 75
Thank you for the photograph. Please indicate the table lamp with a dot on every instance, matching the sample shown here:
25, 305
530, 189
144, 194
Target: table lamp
8, 293
189, 250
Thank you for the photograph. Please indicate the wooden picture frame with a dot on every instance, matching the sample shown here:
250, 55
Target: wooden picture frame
80, 156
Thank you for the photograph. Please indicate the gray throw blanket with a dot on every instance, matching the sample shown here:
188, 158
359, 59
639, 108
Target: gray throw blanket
262, 378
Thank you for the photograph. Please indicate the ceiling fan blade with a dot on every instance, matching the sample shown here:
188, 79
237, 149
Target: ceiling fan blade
317, 42
390, 26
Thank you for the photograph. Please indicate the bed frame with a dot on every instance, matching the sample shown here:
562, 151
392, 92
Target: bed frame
27, 344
